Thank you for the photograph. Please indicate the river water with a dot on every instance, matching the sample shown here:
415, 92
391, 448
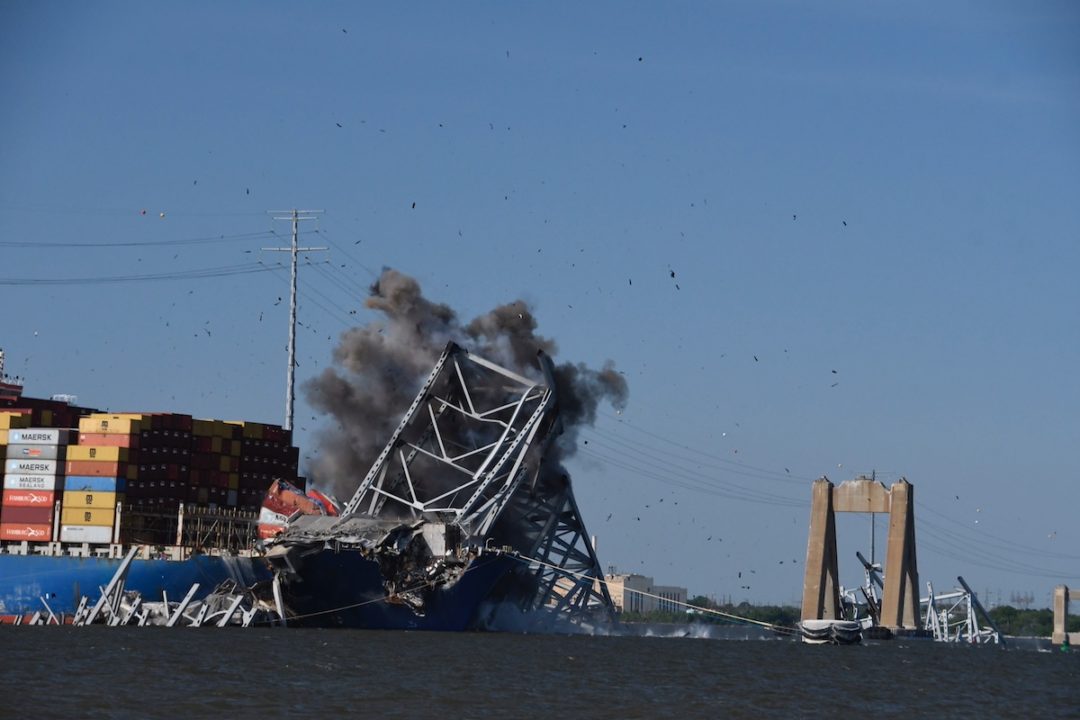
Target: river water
101, 672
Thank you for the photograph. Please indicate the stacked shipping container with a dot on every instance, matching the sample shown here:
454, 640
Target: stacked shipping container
145, 464
215, 463
267, 455
33, 476
98, 470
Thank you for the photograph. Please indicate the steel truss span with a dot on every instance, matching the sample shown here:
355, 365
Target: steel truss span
472, 453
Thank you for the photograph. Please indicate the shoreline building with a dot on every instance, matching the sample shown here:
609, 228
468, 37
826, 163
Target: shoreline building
635, 593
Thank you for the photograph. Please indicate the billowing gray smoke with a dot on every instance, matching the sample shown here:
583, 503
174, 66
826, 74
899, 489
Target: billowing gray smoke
379, 368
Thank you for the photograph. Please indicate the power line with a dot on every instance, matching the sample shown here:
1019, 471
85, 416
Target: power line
138, 243
773, 474
350, 258
725, 465
691, 474
303, 292
974, 548
696, 483
223, 271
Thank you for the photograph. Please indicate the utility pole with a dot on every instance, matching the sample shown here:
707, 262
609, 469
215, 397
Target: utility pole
296, 216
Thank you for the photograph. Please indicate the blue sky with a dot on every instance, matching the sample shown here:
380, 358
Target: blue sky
575, 157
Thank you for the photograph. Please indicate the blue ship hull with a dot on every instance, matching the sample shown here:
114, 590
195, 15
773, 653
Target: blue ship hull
24, 579
344, 589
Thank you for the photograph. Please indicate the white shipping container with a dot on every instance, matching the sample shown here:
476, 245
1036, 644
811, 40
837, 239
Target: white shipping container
19, 466
95, 534
33, 482
36, 452
40, 436
269, 517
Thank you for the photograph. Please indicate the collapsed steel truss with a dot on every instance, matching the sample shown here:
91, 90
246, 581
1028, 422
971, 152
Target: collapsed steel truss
469, 452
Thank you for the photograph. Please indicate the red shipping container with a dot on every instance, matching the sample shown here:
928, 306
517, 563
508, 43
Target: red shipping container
34, 533
27, 515
28, 498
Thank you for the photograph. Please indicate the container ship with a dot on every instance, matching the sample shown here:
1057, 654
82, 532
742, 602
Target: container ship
82, 487
461, 523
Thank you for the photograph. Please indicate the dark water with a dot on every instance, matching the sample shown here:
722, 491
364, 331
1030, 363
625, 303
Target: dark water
161, 673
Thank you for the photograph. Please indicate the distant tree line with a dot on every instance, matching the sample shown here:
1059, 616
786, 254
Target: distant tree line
782, 615
1010, 620
1035, 623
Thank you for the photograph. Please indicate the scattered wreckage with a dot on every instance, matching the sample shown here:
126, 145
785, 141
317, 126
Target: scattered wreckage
462, 522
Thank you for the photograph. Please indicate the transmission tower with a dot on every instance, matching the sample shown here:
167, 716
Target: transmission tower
296, 216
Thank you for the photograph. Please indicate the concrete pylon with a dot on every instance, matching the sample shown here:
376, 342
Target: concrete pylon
899, 600
1061, 615
821, 588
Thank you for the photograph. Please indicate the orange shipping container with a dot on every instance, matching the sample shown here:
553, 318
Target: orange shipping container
101, 468
21, 531
28, 498
109, 440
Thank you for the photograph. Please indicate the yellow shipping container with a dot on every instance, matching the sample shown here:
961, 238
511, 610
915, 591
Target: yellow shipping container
90, 452
3, 437
204, 428
114, 424
87, 516
95, 500
14, 420
250, 430
234, 481
235, 448
215, 444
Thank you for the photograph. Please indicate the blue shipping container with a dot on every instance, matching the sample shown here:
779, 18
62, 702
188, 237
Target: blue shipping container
89, 483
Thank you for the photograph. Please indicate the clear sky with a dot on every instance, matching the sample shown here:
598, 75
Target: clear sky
871, 213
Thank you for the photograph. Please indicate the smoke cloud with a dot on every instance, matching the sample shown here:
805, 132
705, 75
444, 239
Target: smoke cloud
379, 367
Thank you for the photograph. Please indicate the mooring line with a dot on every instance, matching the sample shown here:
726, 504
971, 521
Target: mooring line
783, 629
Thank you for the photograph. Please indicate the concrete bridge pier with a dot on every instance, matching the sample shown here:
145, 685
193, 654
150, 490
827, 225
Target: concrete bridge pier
821, 587
1061, 616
